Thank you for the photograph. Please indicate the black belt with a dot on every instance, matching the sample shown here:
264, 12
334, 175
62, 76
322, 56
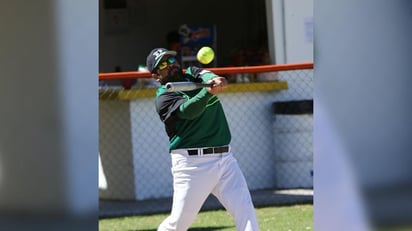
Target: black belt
214, 150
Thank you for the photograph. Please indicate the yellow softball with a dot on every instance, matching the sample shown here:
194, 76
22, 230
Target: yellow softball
205, 55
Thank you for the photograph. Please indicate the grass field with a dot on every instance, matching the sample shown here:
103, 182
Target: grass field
287, 218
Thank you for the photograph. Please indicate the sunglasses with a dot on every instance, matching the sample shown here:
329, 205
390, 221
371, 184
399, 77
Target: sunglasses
164, 64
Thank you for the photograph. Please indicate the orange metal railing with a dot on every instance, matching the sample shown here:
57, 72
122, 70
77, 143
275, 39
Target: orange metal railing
216, 70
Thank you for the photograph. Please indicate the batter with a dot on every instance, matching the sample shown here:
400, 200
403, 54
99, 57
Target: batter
202, 161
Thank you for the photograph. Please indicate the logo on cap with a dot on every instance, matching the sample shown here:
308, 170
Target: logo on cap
159, 53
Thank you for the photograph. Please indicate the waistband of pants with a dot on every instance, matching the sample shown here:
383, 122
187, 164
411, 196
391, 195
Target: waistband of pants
202, 151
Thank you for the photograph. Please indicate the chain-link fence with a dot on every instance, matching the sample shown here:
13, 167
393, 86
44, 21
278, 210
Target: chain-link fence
270, 117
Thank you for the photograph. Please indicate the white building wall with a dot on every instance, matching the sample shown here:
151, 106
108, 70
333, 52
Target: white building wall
290, 30
151, 158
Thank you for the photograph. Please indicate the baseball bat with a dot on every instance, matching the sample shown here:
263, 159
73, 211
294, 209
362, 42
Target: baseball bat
185, 86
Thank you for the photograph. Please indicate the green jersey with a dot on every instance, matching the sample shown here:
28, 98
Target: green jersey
193, 119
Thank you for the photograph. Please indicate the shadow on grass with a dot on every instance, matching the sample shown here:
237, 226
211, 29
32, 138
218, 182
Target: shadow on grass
209, 228
192, 229
142, 230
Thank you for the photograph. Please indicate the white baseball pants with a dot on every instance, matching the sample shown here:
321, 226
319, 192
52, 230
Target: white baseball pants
195, 177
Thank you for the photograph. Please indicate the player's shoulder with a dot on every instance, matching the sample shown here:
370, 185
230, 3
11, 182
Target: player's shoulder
161, 90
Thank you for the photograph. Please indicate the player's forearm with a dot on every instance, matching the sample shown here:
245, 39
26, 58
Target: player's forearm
194, 106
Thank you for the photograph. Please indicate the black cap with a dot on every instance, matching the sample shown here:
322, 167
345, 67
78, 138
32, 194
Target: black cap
155, 56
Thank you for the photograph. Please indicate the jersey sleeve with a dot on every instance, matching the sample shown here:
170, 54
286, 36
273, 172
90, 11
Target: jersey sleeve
167, 104
195, 106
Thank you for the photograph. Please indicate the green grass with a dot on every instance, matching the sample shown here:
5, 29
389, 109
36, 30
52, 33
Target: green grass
287, 218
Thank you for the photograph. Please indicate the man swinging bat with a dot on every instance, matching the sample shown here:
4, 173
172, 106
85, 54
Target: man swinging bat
199, 135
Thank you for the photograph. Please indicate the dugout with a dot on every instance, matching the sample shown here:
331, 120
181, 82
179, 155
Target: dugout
293, 142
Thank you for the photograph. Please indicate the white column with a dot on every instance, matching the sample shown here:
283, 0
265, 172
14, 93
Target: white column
276, 31
77, 39
48, 135
362, 112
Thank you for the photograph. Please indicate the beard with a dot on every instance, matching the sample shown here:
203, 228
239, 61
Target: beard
175, 74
